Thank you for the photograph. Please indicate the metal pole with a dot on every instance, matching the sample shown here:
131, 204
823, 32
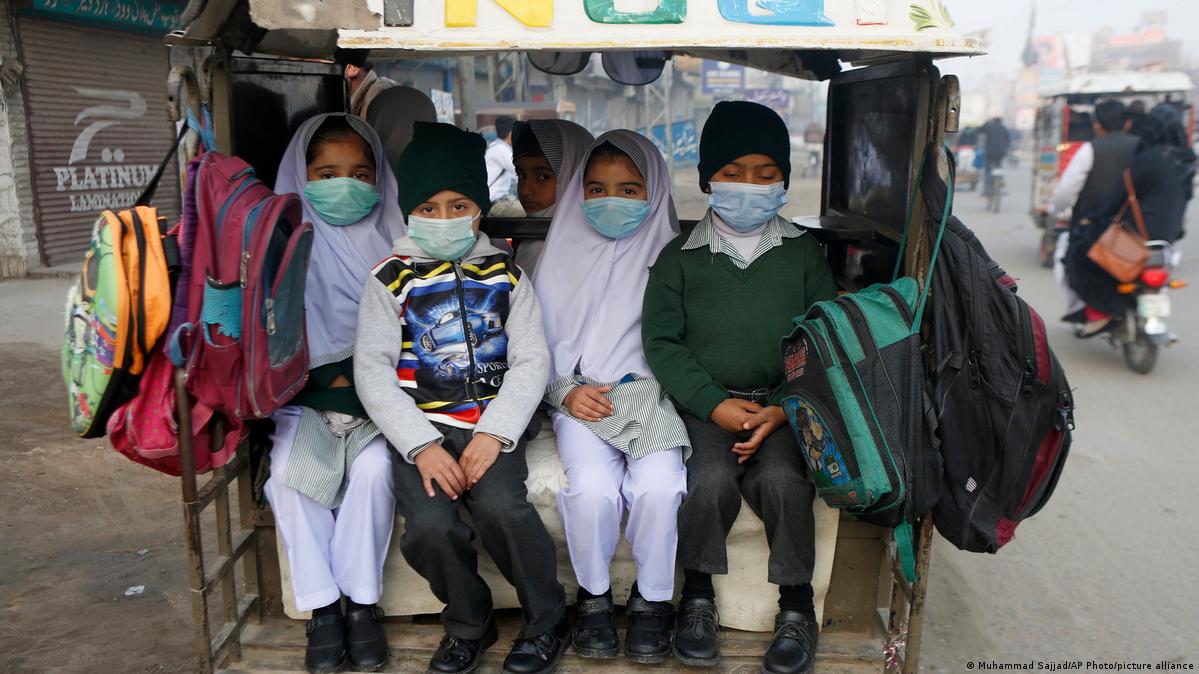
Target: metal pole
668, 76
466, 91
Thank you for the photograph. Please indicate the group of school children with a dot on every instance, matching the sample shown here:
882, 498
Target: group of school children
654, 352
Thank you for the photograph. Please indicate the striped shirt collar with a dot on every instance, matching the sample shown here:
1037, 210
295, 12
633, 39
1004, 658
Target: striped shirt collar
705, 234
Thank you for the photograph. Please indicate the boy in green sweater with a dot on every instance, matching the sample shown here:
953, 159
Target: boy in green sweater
717, 303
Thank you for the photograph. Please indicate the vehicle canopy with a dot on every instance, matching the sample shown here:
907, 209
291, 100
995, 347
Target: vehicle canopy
803, 39
1092, 86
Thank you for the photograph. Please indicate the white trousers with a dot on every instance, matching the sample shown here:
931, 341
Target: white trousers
602, 482
334, 552
1074, 303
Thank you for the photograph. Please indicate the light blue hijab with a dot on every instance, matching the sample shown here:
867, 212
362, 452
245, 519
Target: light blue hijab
342, 257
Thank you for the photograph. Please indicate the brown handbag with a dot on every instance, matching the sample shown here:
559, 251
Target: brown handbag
1119, 251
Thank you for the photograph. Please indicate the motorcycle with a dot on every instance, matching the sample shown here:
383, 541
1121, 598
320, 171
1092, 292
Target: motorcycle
1141, 332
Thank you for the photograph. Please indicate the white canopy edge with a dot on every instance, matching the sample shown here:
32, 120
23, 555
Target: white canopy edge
1121, 82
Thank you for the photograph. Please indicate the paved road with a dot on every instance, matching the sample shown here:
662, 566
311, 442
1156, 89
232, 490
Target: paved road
1109, 570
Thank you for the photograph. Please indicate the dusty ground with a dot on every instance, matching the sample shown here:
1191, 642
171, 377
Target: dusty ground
1107, 571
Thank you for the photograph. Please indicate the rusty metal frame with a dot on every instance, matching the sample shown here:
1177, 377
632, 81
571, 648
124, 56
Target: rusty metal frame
232, 547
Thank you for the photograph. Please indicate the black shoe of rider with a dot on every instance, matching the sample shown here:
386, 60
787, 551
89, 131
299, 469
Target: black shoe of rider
539, 654
326, 651
366, 644
648, 638
595, 630
793, 648
459, 656
695, 641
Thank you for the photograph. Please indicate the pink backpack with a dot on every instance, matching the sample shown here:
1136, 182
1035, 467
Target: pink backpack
243, 342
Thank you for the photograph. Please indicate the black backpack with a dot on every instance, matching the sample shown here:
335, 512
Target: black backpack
1004, 408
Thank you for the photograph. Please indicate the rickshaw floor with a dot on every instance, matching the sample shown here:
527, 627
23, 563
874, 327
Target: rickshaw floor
277, 645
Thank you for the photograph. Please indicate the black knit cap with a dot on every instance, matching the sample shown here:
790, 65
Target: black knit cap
737, 128
442, 157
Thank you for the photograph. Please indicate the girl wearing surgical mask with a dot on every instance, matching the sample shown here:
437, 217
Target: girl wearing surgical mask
546, 152
330, 484
621, 442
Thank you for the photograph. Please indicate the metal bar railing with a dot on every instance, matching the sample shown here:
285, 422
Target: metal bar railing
236, 611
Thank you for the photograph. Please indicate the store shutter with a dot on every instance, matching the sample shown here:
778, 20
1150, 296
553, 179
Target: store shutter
98, 127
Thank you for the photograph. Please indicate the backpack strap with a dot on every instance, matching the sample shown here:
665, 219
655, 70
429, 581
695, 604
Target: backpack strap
148, 193
944, 221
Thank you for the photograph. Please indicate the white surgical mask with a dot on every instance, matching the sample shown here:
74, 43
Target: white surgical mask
744, 206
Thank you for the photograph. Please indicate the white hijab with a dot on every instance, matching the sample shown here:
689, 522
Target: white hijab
564, 144
591, 287
342, 257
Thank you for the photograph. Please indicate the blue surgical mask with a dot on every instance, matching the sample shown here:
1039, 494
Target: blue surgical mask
745, 207
615, 217
447, 240
341, 201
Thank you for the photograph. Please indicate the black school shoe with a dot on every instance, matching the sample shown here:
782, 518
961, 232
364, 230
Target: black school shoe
539, 655
648, 638
459, 656
595, 631
366, 644
793, 648
326, 651
695, 642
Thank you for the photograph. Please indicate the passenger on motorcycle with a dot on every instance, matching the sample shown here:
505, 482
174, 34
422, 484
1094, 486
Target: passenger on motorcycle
1162, 201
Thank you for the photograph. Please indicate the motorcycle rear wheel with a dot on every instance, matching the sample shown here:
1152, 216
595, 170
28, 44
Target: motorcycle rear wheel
1140, 355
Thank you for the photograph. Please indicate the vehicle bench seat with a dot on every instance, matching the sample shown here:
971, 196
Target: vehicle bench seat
746, 601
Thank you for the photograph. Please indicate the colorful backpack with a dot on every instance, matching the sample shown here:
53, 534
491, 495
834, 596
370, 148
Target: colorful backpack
857, 403
243, 343
116, 312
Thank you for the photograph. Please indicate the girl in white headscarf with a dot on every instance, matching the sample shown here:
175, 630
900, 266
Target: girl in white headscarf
330, 485
622, 443
546, 153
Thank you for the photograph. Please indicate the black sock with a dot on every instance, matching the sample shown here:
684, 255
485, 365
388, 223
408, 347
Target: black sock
635, 593
351, 604
331, 609
584, 595
797, 598
698, 585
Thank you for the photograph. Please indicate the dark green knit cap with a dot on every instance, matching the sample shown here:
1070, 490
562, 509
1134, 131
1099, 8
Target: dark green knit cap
442, 157
737, 128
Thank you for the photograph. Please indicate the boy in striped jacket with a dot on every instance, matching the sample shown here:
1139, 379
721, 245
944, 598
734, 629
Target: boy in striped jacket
451, 363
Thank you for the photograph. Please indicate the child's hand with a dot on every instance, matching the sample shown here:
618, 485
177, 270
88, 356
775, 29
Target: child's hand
733, 413
434, 463
478, 457
588, 402
762, 424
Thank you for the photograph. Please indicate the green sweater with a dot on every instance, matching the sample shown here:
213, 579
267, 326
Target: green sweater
709, 326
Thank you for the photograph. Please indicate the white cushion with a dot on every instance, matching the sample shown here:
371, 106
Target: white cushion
746, 601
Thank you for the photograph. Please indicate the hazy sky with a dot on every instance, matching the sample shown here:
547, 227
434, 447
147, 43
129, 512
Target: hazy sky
1008, 21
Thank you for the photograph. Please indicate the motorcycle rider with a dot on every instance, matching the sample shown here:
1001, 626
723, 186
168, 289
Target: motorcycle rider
1093, 175
996, 142
1162, 201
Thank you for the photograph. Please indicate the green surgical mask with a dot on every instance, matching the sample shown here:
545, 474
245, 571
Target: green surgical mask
446, 240
341, 201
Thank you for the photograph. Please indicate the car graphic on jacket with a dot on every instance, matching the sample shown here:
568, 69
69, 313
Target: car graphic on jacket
451, 333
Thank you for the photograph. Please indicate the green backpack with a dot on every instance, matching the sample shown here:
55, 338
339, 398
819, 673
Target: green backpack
857, 402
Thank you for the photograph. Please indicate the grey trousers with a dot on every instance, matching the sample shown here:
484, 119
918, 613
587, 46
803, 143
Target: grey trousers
773, 482
439, 546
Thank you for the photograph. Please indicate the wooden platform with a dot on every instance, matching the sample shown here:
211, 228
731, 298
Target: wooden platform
278, 646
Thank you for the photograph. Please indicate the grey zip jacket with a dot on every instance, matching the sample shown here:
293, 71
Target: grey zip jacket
459, 343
